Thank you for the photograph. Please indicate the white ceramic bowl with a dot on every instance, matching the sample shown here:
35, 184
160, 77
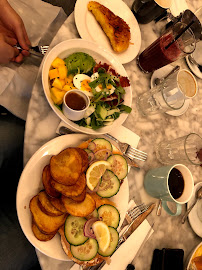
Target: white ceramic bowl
68, 47
191, 256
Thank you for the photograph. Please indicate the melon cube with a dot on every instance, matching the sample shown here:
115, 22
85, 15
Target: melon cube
57, 62
57, 95
53, 73
68, 87
62, 70
58, 83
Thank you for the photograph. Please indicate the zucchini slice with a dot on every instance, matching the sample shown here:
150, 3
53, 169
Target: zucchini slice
113, 244
74, 230
85, 252
109, 214
99, 144
119, 165
109, 186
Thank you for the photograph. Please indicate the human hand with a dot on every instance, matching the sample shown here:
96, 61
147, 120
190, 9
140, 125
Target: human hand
14, 26
7, 51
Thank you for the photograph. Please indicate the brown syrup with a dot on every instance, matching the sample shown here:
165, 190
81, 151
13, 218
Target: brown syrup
75, 101
176, 183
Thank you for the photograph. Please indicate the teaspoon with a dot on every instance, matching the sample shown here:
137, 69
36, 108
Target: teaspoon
198, 197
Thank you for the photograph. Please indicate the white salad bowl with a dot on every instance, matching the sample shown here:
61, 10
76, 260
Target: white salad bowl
99, 54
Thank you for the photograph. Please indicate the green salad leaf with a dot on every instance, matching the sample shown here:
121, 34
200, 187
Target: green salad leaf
79, 62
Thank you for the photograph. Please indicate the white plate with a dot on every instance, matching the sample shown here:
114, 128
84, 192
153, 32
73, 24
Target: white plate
194, 68
30, 184
160, 73
194, 220
89, 28
68, 47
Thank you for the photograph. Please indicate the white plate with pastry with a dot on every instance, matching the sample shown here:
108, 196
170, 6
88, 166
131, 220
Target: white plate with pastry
90, 29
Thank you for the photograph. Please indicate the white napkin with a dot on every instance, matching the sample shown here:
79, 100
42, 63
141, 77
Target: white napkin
178, 6
17, 80
121, 133
128, 250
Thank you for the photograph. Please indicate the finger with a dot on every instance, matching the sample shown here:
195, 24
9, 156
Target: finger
25, 53
22, 37
10, 41
19, 58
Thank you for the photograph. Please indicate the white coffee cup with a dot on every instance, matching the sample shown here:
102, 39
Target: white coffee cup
187, 83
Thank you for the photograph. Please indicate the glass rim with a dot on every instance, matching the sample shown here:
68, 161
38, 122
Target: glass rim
185, 141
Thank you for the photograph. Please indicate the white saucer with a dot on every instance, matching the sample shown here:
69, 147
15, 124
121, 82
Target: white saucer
161, 73
194, 220
194, 68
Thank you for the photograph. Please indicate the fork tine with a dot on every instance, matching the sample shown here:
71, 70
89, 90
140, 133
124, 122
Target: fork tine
140, 208
132, 156
138, 152
134, 207
141, 211
134, 212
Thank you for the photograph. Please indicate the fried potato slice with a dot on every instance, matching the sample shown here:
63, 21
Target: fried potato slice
84, 157
66, 166
39, 235
80, 197
79, 209
57, 202
46, 177
46, 224
100, 201
70, 191
46, 206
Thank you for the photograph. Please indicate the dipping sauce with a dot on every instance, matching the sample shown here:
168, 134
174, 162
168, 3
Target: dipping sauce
75, 101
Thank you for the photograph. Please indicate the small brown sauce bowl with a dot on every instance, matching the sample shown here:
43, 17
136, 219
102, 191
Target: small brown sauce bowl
75, 104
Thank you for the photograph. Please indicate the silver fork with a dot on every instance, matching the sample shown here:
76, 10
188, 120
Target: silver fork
135, 211
132, 213
128, 150
36, 50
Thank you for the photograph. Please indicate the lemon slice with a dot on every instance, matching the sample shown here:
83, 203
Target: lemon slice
102, 233
95, 172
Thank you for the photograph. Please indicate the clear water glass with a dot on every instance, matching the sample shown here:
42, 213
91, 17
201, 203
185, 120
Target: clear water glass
185, 150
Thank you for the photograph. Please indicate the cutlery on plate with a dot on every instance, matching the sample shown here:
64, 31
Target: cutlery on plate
141, 247
128, 150
157, 81
198, 197
64, 130
193, 61
39, 51
128, 231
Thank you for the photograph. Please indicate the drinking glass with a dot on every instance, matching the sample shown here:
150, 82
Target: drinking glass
175, 43
147, 11
164, 97
186, 150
